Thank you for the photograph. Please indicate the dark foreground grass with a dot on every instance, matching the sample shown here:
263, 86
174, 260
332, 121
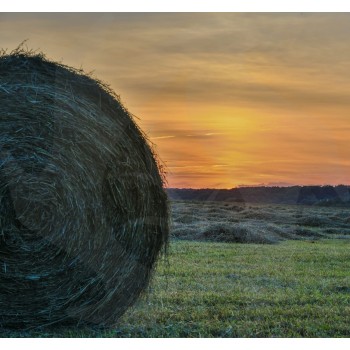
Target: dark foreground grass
293, 289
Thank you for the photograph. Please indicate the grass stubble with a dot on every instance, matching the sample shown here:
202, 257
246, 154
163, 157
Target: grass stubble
294, 285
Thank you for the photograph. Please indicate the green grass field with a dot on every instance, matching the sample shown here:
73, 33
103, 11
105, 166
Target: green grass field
291, 289
294, 289
243, 270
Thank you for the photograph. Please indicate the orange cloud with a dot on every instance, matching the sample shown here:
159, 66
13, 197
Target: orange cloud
227, 99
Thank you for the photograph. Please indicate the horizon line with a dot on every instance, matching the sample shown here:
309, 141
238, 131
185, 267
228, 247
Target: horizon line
254, 186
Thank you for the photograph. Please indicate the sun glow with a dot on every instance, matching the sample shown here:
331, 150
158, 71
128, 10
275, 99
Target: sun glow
226, 99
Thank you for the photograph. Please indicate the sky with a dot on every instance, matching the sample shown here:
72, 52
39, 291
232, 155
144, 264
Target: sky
226, 99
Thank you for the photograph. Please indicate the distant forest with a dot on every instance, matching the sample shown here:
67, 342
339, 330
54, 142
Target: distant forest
306, 195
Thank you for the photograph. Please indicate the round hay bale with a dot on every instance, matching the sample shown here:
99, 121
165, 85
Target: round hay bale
83, 212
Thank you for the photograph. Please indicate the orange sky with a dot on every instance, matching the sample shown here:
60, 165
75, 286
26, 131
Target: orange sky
227, 99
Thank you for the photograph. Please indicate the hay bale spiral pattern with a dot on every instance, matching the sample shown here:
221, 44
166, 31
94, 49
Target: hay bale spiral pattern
83, 213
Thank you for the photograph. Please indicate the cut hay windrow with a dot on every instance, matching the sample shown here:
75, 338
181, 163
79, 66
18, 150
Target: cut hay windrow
83, 212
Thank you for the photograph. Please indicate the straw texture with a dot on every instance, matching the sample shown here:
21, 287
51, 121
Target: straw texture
83, 212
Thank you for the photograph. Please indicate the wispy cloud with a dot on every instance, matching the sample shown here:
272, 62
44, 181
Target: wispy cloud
162, 137
228, 98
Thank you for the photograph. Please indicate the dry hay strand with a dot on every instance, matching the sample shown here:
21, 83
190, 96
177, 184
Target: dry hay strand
83, 212
241, 233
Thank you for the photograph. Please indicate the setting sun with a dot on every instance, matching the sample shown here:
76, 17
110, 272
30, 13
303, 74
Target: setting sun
226, 99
